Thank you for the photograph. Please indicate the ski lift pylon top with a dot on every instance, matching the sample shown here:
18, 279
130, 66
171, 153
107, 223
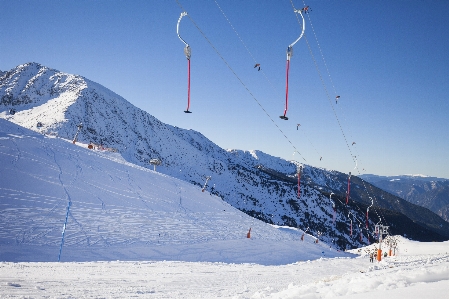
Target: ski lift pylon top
155, 162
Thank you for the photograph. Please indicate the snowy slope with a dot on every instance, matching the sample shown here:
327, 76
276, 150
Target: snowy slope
425, 274
121, 211
61, 101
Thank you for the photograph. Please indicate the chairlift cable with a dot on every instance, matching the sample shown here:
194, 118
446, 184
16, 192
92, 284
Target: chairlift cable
238, 35
240, 80
325, 63
244, 45
255, 61
308, 139
327, 93
328, 97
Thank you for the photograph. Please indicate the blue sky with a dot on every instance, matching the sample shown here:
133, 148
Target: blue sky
388, 61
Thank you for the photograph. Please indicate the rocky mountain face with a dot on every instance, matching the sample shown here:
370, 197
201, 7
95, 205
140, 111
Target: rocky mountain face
55, 103
428, 192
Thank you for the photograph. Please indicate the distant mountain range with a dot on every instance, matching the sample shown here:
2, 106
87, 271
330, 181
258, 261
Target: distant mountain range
428, 192
55, 103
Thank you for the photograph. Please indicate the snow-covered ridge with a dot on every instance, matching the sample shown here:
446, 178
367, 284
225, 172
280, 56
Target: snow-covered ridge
418, 175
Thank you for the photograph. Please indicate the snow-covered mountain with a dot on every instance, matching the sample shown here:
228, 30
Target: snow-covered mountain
54, 103
428, 192
114, 210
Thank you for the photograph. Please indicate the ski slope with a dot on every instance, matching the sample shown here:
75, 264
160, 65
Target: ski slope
120, 211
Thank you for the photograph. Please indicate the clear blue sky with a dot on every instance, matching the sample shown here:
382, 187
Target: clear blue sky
388, 60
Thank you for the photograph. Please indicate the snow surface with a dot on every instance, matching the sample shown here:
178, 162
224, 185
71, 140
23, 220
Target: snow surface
133, 232
422, 275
